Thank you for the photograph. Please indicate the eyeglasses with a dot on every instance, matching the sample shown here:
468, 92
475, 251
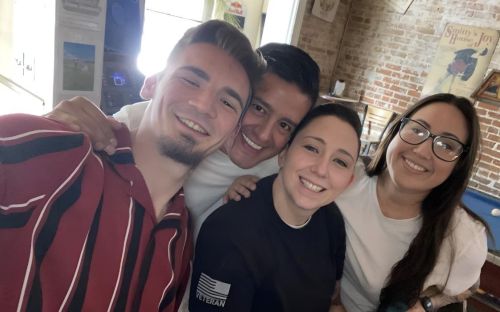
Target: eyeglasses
445, 148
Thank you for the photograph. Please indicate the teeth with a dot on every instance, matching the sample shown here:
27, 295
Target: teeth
192, 125
311, 186
413, 165
251, 143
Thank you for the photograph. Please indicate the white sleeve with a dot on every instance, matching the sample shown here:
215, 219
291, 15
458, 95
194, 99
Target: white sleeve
131, 115
465, 249
122, 115
469, 259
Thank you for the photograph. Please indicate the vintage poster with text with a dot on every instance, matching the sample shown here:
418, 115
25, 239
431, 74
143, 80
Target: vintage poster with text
462, 57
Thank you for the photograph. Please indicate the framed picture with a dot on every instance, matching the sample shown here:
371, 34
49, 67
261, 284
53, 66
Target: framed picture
489, 90
325, 9
461, 60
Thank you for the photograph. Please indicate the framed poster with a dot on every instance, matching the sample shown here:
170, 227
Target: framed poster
462, 57
234, 13
78, 66
325, 9
489, 90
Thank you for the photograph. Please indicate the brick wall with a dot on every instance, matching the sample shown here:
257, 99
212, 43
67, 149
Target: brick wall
321, 39
388, 56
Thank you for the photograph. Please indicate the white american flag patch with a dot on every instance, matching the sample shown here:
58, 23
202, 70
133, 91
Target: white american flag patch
212, 291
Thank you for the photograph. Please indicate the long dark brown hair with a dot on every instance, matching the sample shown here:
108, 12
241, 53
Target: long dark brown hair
407, 277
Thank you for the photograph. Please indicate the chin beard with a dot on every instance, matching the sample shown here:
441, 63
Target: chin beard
180, 150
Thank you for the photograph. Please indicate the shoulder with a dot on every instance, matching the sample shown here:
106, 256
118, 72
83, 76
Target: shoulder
360, 194
16, 124
235, 214
333, 220
462, 255
28, 135
465, 230
467, 238
333, 214
360, 182
244, 215
38, 154
131, 115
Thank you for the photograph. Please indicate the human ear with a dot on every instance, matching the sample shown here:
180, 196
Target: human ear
149, 87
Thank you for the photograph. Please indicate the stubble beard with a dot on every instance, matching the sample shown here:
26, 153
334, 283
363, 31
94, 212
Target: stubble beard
181, 151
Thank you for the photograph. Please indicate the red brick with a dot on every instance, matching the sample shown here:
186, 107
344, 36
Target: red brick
494, 115
397, 89
402, 97
384, 71
393, 67
493, 137
414, 93
485, 121
481, 180
475, 6
491, 153
487, 106
426, 30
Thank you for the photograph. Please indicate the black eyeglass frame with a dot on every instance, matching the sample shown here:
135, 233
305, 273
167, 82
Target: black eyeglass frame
404, 121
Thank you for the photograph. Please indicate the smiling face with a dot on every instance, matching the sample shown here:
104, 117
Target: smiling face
197, 102
277, 107
315, 168
415, 167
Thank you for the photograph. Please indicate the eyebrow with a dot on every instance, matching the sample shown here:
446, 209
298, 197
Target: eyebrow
203, 75
447, 134
341, 150
197, 71
270, 108
232, 93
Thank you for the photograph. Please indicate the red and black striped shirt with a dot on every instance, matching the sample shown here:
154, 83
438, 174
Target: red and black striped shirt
78, 230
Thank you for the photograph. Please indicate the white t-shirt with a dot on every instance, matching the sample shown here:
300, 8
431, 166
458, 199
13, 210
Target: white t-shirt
375, 243
207, 184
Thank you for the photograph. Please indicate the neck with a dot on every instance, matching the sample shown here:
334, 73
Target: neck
397, 203
288, 212
164, 176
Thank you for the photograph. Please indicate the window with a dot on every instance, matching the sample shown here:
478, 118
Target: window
164, 24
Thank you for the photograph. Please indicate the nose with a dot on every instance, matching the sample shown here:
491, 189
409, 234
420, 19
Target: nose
424, 149
264, 131
205, 103
321, 166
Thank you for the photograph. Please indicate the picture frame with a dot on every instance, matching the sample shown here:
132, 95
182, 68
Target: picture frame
489, 90
325, 9
461, 60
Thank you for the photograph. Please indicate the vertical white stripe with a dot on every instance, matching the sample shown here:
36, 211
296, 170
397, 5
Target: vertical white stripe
125, 241
169, 259
173, 273
37, 224
82, 252
77, 270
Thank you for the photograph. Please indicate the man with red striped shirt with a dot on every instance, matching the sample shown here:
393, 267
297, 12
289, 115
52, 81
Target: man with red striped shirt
87, 231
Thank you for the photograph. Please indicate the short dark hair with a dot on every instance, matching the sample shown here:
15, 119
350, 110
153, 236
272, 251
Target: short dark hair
340, 111
228, 38
293, 65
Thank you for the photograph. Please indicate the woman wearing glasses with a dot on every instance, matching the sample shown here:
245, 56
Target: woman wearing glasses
411, 245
